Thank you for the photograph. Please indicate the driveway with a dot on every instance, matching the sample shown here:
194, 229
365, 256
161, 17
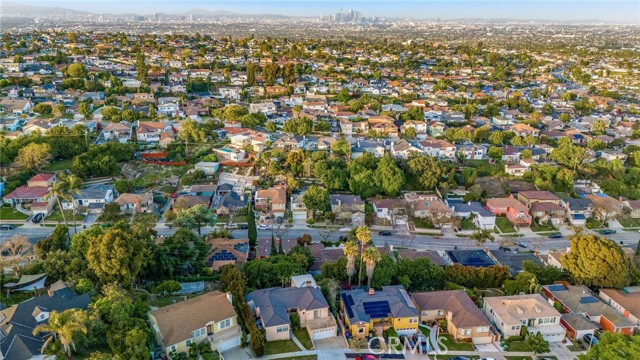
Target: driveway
330, 344
487, 348
561, 352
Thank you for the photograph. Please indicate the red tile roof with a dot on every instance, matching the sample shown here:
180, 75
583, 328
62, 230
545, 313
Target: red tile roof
42, 177
25, 192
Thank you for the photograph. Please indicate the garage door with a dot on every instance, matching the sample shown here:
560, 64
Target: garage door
299, 216
554, 337
324, 333
229, 343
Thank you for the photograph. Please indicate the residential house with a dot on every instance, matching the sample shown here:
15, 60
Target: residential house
523, 130
117, 131
325, 142
482, 218
93, 198
230, 154
298, 209
373, 147
305, 280
139, 203
346, 203
577, 326
465, 322
474, 258
223, 251
515, 169
604, 206
18, 321
577, 211
425, 206
288, 143
514, 261
634, 207
433, 256
149, 131
438, 148
580, 300
389, 209
625, 301
33, 195
272, 201
375, 311
402, 149
273, 307
471, 152
420, 128
509, 313
515, 211
208, 317
231, 202
209, 168
15, 106
267, 108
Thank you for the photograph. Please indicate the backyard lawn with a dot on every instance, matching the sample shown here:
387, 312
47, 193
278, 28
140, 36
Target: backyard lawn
504, 225
303, 337
8, 213
279, 347
59, 165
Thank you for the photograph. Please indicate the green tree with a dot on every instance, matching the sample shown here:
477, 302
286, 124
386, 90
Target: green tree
363, 236
33, 157
370, 256
389, 176
538, 344
76, 70
251, 73
341, 147
194, 217
614, 346
481, 236
66, 327
252, 232
428, 170
316, 198
58, 110
85, 110
168, 287
600, 262
350, 250
119, 254
42, 109
271, 126
524, 282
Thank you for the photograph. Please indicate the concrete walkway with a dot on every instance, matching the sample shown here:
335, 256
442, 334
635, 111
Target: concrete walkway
297, 342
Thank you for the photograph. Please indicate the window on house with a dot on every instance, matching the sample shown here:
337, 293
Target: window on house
172, 348
413, 320
224, 324
361, 330
282, 328
466, 332
188, 343
199, 332
440, 312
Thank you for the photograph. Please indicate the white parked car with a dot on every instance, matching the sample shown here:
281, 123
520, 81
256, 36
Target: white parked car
263, 227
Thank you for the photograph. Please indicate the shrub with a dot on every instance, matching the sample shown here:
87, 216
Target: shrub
311, 221
295, 321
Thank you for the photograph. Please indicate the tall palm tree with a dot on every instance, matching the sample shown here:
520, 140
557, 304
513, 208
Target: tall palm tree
481, 236
74, 187
58, 191
350, 251
370, 256
363, 235
64, 326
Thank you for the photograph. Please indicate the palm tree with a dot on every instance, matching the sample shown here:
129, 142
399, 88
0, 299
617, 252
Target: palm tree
58, 191
363, 235
64, 326
74, 186
350, 251
481, 236
370, 256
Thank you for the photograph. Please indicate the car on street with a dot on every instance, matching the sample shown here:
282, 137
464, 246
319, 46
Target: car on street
607, 231
504, 248
556, 235
37, 218
384, 233
590, 339
244, 226
7, 227
263, 227
487, 359
522, 245
459, 357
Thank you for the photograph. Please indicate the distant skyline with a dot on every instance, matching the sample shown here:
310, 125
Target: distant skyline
626, 11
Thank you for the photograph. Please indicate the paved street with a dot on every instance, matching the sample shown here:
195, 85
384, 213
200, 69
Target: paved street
420, 242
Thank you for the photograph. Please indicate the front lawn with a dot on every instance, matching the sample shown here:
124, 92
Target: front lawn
423, 223
280, 347
448, 341
518, 357
535, 227
57, 216
629, 222
303, 336
9, 213
467, 224
148, 219
518, 346
592, 223
504, 225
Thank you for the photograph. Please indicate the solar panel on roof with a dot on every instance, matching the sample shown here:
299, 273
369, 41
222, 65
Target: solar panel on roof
588, 300
557, 287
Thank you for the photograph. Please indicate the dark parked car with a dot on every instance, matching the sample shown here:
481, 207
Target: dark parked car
37, 218
244, 226
504, 248
459, 358
555, 235
7, 227
607, 232
384, 233
421, 340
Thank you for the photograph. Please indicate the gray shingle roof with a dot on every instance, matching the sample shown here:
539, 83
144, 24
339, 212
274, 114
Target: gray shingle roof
274, 302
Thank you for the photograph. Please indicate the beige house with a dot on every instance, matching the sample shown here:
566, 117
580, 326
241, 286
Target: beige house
275, 306
208, 317
272, 201
510, 313
139, 203
465, 322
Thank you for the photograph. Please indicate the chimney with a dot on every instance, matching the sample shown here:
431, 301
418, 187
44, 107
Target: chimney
371, 291
50, 292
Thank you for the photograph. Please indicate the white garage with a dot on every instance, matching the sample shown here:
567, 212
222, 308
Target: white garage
322, 328
226, 344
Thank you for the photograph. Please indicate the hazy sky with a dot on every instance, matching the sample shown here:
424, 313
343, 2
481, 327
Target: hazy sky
627, 11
